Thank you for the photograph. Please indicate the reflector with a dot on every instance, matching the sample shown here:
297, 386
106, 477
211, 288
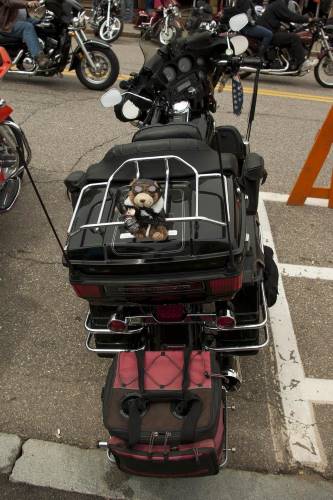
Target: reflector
116, 325
226, 286
226, 321
170, 312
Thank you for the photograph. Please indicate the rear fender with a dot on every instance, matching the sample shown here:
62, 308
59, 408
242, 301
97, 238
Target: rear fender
78, 53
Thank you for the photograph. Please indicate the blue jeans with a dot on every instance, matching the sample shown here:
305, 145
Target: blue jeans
264, 34
25, 30
127, 10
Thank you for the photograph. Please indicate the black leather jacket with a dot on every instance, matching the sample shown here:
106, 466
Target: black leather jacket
276, 12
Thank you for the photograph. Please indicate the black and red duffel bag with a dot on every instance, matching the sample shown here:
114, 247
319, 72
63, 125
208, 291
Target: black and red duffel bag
164, 413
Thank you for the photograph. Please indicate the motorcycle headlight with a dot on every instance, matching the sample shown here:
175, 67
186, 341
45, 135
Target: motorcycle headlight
9, 157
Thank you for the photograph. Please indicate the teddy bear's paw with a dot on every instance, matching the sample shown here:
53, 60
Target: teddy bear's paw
158, 236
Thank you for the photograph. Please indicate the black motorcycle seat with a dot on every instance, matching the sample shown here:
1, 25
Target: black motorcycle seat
195, 152
169, 131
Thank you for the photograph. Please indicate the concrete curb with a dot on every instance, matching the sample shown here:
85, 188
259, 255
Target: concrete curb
68, 468
10, 448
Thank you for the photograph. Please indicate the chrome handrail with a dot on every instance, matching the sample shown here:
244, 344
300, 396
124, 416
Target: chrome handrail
136, 162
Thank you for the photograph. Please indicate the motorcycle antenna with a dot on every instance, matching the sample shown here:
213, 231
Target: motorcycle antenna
253, 104
35, 188
225, 208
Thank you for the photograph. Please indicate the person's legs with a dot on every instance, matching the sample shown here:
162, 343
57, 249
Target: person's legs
25, 30
264, 34
294, 46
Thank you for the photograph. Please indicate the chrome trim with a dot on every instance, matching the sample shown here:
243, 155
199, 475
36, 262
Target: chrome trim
18, 57
136, 161
225, 429
242, 347
253, 326
111, 458
107, 330
108, 351
17, 128
4, 210
82, 44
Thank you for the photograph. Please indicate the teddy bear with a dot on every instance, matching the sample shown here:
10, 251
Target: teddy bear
143, 211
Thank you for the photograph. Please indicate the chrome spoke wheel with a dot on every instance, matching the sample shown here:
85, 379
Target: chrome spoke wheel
110, 31
324, 72
102, 69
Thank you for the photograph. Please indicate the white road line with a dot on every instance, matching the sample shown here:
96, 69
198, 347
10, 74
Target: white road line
283, 198
303, 436
318, 390
310, 272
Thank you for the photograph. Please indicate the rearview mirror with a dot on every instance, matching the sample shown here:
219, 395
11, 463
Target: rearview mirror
111, 98
239, 44
130, 111
238, 22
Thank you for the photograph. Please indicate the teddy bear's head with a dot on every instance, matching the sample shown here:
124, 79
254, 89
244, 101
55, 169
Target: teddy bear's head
144, 193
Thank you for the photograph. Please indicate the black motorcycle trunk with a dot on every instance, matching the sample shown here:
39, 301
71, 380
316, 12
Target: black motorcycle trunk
107, 266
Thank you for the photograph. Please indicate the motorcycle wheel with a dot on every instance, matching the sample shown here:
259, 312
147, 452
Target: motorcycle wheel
166, 37
324, 72
110, 33
107, 69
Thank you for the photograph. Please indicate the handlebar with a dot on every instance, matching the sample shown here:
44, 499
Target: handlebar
237, 61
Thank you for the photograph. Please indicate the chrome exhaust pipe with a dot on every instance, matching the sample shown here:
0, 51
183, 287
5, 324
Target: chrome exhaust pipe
19, 72
232, 373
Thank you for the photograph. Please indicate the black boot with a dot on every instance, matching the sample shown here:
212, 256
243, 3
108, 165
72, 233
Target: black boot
43, 61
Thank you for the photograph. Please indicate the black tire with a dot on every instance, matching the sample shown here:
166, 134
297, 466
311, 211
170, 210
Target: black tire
118, 33
101, 54
324, 60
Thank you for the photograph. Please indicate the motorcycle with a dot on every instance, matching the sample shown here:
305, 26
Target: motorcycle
189, 306
94, 62
106, 21
14, 149
163, 24
279, 59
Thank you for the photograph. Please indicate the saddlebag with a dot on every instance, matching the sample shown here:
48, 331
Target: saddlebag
159, 393
164, 414
201, 458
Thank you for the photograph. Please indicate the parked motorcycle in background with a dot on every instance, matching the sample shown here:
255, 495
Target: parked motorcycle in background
106, 20
14, 148
313, 34
94, 62
163, 24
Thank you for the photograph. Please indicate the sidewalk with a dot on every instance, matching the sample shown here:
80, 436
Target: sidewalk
45, 464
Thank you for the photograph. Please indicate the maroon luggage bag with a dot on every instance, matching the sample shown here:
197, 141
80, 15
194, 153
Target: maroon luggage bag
164, 413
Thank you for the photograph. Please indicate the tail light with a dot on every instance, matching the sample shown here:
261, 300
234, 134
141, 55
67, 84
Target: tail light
86, 291
226, 320
116, 324
170, 313
225, 286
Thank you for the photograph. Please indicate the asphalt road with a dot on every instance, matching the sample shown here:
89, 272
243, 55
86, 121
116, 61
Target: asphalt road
50, 385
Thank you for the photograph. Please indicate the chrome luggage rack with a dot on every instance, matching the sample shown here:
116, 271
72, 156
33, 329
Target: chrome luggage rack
136, 164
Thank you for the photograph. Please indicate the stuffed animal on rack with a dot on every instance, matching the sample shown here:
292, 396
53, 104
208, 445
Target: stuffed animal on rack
143, 211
